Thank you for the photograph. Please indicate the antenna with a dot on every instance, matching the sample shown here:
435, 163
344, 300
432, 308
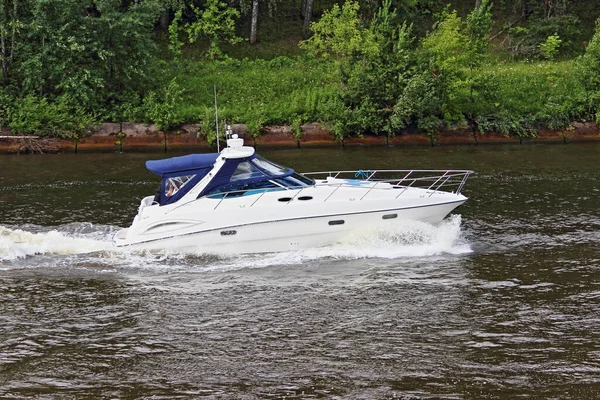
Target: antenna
216, 117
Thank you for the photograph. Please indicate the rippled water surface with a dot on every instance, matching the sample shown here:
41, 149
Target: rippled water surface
500, 301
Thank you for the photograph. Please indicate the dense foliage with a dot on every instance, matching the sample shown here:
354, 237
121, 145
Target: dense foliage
374, 67
80, 58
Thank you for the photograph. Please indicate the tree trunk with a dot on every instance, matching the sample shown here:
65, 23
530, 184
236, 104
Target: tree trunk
163, 21
7, 39
254, 24
477, 4
307, 18
524, 9
14, 31
474, 131
4, 62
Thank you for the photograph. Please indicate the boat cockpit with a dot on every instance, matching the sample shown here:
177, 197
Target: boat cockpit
235, 177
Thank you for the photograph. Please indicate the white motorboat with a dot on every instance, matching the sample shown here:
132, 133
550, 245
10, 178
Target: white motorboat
238, 202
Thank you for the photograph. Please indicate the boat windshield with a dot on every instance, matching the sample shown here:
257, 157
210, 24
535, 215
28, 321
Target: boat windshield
295, 180
270, 166
253, 175
258, 175
260, 168
245, 170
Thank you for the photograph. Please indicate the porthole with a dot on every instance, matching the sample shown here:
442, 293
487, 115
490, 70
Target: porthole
390, 216
228, 233
305, 198
337, 222
284, 199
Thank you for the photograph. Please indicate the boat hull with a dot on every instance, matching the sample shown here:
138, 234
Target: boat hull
291, 233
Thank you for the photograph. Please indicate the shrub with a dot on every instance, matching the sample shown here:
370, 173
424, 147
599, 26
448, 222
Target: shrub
38, 116
550, 47
161, 110
588, 68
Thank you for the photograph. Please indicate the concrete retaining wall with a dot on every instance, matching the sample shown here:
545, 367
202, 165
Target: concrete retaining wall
141, 137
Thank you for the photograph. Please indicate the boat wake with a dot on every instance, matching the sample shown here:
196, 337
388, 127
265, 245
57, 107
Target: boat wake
408, 241
86, 244
18, 243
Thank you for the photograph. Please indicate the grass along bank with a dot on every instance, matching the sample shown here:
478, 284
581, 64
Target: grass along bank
518, 99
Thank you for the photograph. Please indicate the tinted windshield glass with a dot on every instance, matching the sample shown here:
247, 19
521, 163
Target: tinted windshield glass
245, 170
270, 167
303, 179
294, 181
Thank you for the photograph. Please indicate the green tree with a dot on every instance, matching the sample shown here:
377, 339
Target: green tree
420, 103
175, 42
550, 47
473, 91
539, 20
85, 50
216, 23
373, 81
454, 52
11, 23
374, 61
341, 33
441, 62
161, 109
588, 67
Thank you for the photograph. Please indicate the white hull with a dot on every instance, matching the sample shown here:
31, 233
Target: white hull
288, 234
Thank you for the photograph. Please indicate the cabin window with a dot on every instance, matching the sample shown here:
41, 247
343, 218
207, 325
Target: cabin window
175, 183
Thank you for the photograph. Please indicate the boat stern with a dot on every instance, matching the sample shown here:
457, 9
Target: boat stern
120, 238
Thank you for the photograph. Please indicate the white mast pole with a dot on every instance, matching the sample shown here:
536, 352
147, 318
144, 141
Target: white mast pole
216, 118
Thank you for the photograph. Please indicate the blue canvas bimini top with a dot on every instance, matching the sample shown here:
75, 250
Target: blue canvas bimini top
190, 162
180, 174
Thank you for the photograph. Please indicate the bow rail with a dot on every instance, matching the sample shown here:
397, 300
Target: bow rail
434, 180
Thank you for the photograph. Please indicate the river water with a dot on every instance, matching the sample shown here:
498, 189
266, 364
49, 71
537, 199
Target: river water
500, 301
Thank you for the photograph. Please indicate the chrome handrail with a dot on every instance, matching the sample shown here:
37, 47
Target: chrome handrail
436, 179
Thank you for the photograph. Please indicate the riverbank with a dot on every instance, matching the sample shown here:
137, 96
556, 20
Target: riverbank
141, 137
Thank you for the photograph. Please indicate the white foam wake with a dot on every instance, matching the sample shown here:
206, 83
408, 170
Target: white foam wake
408, 240
19, 243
